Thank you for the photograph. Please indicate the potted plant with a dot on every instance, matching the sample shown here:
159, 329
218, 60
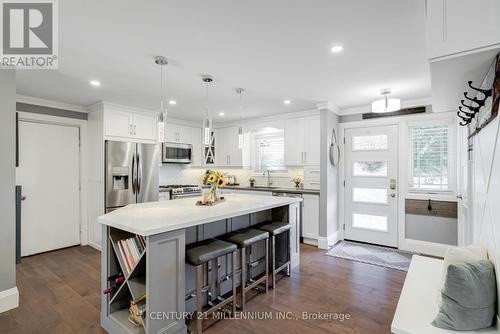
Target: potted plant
252, 182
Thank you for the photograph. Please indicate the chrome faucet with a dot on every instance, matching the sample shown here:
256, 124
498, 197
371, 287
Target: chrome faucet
269, 182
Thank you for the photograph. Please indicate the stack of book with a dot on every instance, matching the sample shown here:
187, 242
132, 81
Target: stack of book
131, 250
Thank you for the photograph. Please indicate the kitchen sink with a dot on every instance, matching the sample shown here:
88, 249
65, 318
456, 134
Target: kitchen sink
265, 187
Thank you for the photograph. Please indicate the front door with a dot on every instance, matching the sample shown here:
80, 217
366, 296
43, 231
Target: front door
371, 200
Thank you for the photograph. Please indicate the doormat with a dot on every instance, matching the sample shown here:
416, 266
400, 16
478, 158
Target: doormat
371, 254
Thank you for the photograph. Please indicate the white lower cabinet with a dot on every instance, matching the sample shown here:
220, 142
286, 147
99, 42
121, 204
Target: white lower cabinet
164, 196
310, 219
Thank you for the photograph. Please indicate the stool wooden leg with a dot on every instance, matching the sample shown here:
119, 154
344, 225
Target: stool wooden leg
273, 260
267, 265
243, 276
234, 281
199, 299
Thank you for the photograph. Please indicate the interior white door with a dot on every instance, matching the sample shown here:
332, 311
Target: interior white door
371, 198
49, 172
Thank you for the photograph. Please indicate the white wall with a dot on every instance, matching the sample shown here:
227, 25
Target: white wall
8, 291
486, 192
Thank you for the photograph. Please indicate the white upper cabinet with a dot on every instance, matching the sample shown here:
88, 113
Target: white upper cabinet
178, 133
130, 125
197, 147
302, 141
455, 26
227, 153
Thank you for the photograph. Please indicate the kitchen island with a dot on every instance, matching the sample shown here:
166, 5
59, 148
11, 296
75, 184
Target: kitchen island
160, 271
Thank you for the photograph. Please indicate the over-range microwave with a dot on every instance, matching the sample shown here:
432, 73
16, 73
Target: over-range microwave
177, 153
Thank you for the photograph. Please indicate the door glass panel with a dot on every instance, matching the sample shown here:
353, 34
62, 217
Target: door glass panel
369, 195
369, 168
369, 143
371, 222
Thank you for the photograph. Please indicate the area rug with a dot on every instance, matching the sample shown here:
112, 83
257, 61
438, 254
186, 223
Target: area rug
371, 254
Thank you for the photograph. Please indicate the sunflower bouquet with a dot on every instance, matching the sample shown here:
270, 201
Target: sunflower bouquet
216, 180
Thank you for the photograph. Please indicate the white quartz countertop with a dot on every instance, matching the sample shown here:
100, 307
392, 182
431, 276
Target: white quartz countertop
165, 216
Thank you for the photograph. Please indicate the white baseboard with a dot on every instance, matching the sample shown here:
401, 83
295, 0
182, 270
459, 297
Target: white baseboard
94, 245
310, 241
9, 299
326, 243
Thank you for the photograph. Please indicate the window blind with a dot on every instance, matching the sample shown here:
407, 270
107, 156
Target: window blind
429, 158
270, 152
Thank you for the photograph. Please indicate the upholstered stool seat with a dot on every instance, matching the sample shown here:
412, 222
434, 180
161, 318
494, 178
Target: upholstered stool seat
245, 238
209, 250
276, 228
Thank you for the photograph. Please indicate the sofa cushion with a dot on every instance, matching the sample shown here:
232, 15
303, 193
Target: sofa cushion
468, 297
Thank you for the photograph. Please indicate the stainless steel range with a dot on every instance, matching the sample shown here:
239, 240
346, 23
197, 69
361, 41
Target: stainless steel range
180, 191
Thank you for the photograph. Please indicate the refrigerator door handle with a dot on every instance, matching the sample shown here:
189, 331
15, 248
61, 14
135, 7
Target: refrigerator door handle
139, 175
133, 176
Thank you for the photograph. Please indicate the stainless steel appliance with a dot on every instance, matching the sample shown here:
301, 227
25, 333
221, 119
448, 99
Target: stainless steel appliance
131, 173
177, 153
181, 191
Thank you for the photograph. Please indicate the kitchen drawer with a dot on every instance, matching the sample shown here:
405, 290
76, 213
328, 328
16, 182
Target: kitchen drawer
312, 173
311, 184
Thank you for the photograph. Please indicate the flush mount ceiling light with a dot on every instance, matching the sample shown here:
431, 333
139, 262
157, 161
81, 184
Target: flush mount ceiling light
221, 114
162, 113
207, 122
337, 48
95, 83
240, 91
287, 102
386, 104
172, 102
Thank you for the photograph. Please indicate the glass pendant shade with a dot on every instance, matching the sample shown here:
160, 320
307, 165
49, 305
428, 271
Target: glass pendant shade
386, 105
162, 122
207, 131
240, 138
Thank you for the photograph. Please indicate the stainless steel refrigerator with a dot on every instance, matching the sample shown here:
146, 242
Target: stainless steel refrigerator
131, 173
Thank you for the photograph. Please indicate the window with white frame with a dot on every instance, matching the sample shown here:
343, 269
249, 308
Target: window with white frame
431, 157
269, 152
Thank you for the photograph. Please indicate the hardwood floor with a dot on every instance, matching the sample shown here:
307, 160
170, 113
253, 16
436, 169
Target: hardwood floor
60, 293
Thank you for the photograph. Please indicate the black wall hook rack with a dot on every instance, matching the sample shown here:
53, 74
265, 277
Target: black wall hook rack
477, 104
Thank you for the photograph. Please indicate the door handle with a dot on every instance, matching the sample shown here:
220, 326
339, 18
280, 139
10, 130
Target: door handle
23, 198
133, 176
460, 197
139, 175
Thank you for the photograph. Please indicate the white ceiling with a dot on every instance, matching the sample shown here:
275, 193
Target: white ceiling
276, 50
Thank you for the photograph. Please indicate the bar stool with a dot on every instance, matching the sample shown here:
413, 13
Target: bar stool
274, 229
244, 239
201, 254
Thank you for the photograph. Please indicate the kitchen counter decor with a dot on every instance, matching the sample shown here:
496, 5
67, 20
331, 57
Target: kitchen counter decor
216, 180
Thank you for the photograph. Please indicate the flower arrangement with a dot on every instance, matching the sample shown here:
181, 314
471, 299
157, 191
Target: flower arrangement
297, 180
216, 180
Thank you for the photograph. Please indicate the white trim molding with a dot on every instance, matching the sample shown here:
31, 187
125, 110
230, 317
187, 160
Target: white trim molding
9, 299
327, 242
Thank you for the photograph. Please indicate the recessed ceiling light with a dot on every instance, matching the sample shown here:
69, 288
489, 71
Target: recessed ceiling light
221, 114
337, 48
95, 83
172, 102
287, 101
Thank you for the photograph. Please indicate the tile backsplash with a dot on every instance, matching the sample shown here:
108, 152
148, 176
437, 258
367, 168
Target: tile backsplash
184, 174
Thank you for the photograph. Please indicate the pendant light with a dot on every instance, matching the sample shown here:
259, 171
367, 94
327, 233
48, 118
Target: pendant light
207, 121
240, 129
162, 113
386, 104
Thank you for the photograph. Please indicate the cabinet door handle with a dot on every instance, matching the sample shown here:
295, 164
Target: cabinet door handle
130, 132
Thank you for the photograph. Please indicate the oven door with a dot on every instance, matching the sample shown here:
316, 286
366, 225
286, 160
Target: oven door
176, 153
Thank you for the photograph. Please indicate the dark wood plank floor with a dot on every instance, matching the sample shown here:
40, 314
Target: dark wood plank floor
60, 293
